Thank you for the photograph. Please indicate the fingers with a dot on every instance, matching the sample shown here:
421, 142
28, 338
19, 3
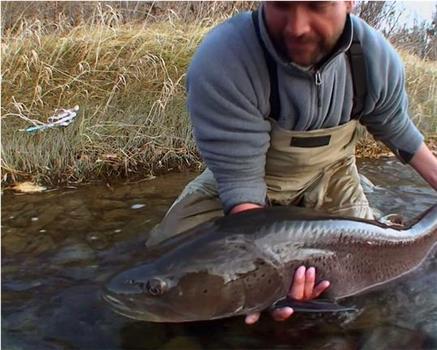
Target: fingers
303, 288
320, 288
304, 284
298, 285
252, 318
278, 315
310, 280
282, 314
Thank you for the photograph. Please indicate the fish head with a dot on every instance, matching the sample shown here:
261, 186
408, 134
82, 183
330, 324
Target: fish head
174, 292
204, 277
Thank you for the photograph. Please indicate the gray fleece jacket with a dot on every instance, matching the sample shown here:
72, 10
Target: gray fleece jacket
228, 100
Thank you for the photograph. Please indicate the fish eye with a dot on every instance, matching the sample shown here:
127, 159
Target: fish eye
156, 287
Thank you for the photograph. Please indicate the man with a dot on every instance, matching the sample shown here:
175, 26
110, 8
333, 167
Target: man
274, 113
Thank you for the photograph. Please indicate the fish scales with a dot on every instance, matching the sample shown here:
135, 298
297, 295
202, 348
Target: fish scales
367, 237
243, 263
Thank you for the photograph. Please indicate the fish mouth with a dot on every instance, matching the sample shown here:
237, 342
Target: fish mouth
125, 294
144, 310
132, 312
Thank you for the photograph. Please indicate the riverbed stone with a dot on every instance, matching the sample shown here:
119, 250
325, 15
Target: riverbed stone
116, 215
14, 243
67, 226
98, 240
107, 204
24, 320
20, 222
41, 244
74, 253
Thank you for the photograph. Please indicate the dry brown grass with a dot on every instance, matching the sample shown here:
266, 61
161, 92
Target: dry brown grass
129, 84
127, 76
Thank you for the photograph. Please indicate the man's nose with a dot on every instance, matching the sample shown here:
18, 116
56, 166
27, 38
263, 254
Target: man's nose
298, 21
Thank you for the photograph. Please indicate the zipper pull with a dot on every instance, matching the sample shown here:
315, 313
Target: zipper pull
318, 81
318, 78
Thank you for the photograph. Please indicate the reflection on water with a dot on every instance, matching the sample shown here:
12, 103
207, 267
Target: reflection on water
59, 247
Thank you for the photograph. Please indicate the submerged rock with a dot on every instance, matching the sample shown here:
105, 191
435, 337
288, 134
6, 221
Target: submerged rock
74, 253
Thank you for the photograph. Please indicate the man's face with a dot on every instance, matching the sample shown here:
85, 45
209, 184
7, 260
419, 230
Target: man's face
306, 31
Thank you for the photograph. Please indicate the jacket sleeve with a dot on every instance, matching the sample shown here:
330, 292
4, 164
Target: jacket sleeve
388, 119
224, 99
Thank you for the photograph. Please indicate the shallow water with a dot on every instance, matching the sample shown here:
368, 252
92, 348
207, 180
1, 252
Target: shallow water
60, 246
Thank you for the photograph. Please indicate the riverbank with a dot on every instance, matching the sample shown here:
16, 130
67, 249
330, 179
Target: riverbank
128, 80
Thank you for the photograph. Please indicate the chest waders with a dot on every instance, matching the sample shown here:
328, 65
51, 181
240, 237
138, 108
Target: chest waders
313, 168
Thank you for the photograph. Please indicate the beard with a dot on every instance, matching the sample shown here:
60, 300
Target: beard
305, 51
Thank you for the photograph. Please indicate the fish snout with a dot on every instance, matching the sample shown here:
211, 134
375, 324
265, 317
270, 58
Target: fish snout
153, 287
127, 284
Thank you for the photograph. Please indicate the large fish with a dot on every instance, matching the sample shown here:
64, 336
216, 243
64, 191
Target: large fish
243, 263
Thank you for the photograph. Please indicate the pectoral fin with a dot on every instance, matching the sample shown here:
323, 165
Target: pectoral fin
319, 305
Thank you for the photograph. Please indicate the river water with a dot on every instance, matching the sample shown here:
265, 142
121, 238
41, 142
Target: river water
59, 247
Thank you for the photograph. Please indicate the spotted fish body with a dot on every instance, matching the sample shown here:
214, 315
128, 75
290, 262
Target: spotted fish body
244, 262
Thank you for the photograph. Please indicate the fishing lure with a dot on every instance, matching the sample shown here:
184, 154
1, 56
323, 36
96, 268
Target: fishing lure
62, 117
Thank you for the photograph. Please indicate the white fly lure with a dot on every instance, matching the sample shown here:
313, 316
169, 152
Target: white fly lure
62, 117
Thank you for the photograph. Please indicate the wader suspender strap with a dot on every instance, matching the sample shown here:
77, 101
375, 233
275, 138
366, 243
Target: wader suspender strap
358, 70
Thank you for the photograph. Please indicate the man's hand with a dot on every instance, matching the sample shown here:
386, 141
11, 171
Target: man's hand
302, 288
243, 207
425, 163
